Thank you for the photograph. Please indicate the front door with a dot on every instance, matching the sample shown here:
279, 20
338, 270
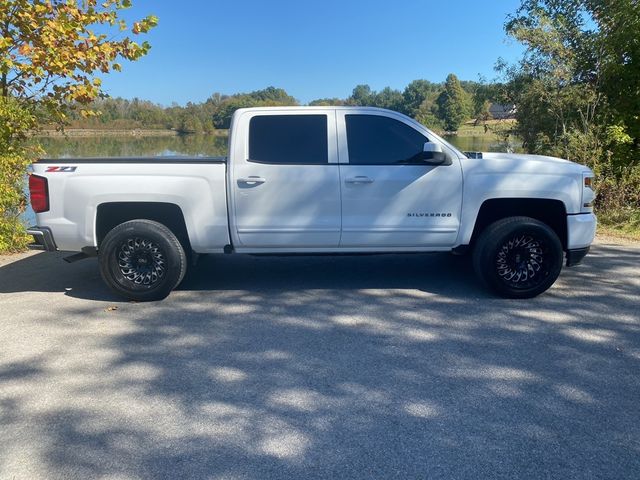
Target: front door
285, 180
390, 197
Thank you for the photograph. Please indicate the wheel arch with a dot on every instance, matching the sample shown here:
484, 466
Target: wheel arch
549, 211
112, 214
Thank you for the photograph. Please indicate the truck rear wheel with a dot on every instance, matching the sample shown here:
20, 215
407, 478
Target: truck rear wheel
142, 260
518, 257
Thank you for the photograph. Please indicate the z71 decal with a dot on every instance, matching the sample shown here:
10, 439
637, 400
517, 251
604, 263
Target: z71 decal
60, 169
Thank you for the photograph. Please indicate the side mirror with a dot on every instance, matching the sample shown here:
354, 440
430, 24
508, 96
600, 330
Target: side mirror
433, 155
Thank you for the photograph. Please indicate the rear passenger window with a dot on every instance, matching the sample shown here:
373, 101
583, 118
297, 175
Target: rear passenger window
288, 139
378, 140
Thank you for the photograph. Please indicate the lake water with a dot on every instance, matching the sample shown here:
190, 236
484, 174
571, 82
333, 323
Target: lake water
206, 145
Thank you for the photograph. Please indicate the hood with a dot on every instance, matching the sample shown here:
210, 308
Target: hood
522, 157
515, 162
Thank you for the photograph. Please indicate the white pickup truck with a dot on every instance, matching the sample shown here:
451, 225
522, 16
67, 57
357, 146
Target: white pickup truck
311, 180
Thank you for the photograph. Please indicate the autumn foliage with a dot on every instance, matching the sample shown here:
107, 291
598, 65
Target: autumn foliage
50, 54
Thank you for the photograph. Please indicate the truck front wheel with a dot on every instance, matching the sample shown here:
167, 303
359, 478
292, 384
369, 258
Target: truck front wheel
142, 260
518, 257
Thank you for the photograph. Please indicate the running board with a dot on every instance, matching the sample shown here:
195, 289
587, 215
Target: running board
86, 252
76, 257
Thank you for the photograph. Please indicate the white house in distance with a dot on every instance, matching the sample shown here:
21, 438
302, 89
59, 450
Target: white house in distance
500, 111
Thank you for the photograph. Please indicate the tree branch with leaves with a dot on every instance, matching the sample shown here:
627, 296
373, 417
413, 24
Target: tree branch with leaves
51, 53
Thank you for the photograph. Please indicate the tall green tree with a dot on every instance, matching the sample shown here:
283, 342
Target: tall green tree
388, 98
361, 96
579, 76
415, 94
554, 93
619, 38
453, 104
577, 88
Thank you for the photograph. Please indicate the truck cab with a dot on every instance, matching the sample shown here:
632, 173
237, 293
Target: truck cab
340, 179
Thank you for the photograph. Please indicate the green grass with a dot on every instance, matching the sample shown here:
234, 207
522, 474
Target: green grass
469, 129
624, 223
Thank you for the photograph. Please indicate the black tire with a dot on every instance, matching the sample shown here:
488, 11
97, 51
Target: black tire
142, 260
518, 257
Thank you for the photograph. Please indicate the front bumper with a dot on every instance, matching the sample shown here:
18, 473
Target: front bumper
581, 230
42, 239
575, 256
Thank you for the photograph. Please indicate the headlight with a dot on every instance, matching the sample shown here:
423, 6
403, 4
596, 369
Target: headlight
588, 194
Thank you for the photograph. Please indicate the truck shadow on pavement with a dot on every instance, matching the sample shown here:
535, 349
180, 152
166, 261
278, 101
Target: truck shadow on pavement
435, 273
354, 367
438, 273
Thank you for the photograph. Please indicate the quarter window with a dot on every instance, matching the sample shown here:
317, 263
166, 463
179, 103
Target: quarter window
288, 139
379, 140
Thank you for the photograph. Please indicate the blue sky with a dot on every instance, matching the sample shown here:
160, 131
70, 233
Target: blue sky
312, 49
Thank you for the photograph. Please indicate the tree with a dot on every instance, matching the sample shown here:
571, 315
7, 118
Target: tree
484, 95
577, 89
273, 96
387, 98
50, 53
416, 93
428, 115
15, 153
326, 102
269, 96
361, 96
619, 33
190, 124
453, 104
556, 87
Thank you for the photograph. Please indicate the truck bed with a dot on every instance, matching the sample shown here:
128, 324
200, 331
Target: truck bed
156, 159
79, 187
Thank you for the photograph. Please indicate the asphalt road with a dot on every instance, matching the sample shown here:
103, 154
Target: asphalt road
320, 367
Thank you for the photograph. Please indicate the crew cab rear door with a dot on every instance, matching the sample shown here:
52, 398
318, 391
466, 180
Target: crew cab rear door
391, 198
285, 179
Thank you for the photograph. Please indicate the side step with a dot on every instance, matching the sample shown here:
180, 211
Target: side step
86, 252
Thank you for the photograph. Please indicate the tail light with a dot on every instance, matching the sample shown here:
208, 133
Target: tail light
39, 193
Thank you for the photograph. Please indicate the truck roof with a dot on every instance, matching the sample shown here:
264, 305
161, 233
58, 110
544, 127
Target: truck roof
318, 107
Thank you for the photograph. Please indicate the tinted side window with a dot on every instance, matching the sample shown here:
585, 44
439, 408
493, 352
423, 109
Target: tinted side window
377, 140
289, 139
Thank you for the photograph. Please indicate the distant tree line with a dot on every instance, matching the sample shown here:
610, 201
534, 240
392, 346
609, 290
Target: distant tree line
443, 106
214, 113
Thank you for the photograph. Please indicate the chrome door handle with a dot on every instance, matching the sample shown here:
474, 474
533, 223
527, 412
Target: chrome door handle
252, 180
359, 179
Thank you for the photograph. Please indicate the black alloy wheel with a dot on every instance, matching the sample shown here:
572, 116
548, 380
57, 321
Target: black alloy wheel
142, 260
518, 257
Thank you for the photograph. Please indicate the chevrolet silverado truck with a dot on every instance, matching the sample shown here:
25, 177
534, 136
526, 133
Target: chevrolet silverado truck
317, 180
